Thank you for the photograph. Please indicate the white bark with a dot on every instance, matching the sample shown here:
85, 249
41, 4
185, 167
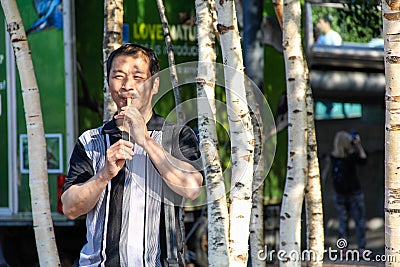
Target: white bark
314, 210
290, 224
171, 61
113, 20
257, 210
214, 19
241, 133
217, 208
38, 179
391, 35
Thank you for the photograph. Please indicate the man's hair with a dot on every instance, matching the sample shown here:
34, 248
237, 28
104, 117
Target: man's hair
327, 18
130, 49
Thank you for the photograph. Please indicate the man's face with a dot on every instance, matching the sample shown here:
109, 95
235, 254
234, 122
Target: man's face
130, 78
323, 26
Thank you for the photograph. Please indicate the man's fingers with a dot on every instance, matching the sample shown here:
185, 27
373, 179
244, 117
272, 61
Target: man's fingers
125, 143
122, 149
125, 153
120, 115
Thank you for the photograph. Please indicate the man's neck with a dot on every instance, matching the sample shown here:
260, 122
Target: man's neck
147, 115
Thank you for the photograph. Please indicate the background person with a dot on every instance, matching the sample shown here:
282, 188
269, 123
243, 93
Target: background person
120, 185
327, 36
349, 198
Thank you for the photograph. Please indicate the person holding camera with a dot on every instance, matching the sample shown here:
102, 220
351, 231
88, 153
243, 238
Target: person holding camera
349, 198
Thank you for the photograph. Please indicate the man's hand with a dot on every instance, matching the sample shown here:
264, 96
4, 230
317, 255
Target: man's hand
116, 156
81, 198
136, 123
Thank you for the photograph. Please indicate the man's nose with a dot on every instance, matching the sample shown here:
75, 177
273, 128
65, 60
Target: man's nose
129, 83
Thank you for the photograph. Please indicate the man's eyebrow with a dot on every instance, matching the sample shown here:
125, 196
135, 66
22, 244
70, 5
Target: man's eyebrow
114, 71
136, 70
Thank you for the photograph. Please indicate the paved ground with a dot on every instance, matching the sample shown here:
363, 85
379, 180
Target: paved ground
344, 255
375, 244
375, 254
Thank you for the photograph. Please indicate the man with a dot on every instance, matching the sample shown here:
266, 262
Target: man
122, 186
327, 35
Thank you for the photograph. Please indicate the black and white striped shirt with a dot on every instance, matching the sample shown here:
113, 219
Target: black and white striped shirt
123, 229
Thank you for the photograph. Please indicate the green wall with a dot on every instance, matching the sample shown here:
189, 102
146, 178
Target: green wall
47, 50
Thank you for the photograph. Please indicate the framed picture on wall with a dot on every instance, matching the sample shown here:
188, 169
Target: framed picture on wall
54, 153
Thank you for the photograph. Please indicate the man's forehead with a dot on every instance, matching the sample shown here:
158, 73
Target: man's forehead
141, 62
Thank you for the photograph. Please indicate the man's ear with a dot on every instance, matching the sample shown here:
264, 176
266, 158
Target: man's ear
156, 84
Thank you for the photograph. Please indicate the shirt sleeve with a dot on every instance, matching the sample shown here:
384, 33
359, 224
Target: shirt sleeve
80, 167
188, 150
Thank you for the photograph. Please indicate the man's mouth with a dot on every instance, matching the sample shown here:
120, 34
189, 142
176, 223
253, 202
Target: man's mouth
125, 99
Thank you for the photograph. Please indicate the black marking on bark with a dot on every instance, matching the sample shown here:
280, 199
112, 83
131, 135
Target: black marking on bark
394, 127
392, 16
13, 26
392, 211
239, 184
222, 29
200, 81
392, 59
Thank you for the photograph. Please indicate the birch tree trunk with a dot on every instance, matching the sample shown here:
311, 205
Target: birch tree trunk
113, 20
171, 61
290, 223
214, 17
253, 59
217, 209
38, 179
257, 209
241, 133
391, 35
314, 210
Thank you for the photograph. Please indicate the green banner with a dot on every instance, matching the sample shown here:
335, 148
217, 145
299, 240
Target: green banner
47, 51
142, 24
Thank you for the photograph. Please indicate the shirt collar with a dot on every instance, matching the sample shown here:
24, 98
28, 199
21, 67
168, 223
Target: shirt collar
111, 127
